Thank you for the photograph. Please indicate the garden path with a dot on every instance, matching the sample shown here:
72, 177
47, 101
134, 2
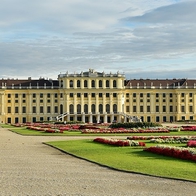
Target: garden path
28, 167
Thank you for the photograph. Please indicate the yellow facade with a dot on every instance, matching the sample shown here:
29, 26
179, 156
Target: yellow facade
97, 97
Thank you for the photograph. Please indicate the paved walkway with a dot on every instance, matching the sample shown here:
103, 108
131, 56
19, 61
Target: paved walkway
28, 167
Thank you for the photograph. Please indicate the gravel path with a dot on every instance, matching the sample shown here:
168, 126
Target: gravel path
30, 168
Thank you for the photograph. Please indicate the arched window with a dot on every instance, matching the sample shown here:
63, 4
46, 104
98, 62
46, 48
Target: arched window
93, 108
93, 83
107, 83
86, 109
78, 109
85, 83
100, 83
107, 108
78, 83
114, 83
71, 109
115, 108
101, 108
71, 83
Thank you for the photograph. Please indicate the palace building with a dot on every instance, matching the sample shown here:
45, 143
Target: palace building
93, 96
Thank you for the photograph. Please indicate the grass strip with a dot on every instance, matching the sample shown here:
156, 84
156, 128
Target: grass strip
24, 131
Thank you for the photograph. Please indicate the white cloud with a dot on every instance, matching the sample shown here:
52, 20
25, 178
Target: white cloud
48, 37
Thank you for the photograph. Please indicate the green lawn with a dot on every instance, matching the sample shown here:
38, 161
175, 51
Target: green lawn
132, 159
24, 131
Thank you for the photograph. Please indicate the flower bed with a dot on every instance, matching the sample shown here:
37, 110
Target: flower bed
161, 137
123, 130
177, 152
191, 143
117, 142
188, 128
52, 128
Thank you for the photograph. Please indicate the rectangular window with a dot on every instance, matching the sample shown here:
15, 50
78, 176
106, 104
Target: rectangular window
107, 94
23, 109
182, 108
170, 108
9, 95
85, 94
141, 108
141, 94
8, 109
16, 109
23, 95
71, 94
190, 108
34, 95
48, 95
182, 94
134, 100
170, 95
127, 95
157, 108
55, 101
134, 108
41, 101
41, 109
78, 95
164, 95
56, 95
34, 101
114, 95
164, 108
148, 119
48, 109
127, 109
148, 108
148, 94
61, 95
134, 94
56, 109
9, 101
16, 95
34, 109
16, 101
41, 95
100, 94
190, 94
93, 94
148, 100
157, 94
48, 101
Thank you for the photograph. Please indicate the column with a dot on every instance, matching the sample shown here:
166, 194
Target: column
90, 117
83, 117
105, 117
98, 117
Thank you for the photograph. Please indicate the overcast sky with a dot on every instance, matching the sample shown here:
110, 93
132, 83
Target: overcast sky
141, 38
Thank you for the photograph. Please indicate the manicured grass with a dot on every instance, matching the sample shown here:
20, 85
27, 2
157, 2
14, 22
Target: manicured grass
132, 159
24, 131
